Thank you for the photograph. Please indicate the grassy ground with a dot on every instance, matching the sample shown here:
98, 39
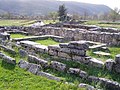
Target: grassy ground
113, 51
16, 22
47, 42
17, 36
102, 24
14, 78
28, 81
22, 22
29, 22
50, 21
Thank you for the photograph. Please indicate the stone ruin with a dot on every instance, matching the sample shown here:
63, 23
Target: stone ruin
75, 51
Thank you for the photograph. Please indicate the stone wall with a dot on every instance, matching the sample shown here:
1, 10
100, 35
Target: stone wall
82, 32
75, 51
37, 69
43, 37
78, 34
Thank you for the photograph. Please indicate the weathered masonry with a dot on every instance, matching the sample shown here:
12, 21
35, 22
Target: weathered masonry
112, 39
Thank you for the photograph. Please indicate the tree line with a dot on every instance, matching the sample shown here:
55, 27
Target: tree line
62, 15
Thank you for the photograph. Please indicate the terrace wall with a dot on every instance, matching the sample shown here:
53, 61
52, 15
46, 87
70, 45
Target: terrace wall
112, 39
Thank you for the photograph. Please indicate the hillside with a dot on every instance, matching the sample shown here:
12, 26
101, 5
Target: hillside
37, 7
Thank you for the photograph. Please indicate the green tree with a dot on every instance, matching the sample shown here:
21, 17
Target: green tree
62, 13
114, 14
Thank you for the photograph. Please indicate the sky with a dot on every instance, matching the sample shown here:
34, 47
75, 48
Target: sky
111, 3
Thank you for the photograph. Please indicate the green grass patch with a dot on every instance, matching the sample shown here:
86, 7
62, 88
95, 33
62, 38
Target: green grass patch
50, 21
67, 77
102, 24
17, 36
16, 22
19, 79
47, 42
113, 51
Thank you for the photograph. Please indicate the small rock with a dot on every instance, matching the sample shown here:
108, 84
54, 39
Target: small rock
110, 85
23, 64
86, 86
74, 71
23, 53
96, 63
9, 60
58, 66
93, 79
117, 58
34, 68
49, 76
117, 68
83, 74
34, 59
109, 64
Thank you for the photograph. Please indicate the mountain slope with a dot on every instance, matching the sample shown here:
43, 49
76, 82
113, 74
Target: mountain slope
36, 7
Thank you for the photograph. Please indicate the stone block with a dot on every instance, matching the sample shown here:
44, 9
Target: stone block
49, 76
117, 58
34, 59
65, 50
117, 68
86, 86
82, 45
109, 64
58, 66
64, 55
23, 53
93, 79
109, 85
9, 60
74, 71
54, 47
79, 59
63, 45
23, 64
78, 52
96, 63
34, 68
53, 52
83, 74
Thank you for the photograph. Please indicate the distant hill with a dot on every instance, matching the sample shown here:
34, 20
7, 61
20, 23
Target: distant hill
39, 7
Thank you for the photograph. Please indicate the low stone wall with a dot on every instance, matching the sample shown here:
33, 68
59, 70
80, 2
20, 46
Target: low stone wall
29, 45
84, 32
36, 69
18, 32
7, 59
8, 49
78, 34
75, 51
43, 37
4, 36
108, 84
